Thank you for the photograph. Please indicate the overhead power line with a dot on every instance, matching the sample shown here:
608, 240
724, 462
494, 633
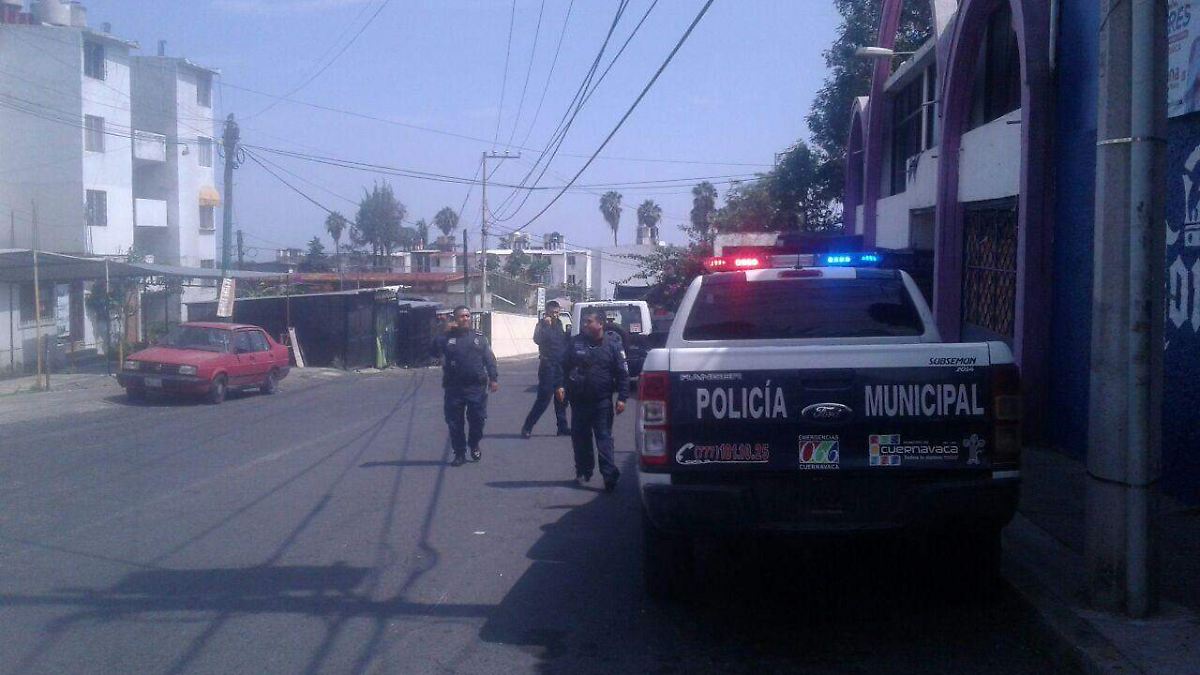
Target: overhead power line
537, 32
621, 122
549, 75
512, 18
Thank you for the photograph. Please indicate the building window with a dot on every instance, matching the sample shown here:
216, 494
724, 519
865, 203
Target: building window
208, 264
93, 135
571, 260
93, 60
204, 91
1002, 72
47, 299
906, 131
571, 279
205, 144
96, 208
208, 219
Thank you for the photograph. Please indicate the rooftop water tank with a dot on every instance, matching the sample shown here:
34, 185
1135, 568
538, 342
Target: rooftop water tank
53, 12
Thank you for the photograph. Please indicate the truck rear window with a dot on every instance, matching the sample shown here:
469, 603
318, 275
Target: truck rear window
731, 308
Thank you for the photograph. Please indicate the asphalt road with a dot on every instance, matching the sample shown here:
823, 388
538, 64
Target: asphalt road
321, 530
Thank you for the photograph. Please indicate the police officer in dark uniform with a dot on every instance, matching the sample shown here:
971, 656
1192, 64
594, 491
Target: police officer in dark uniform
596, 369
552, 341
468, 374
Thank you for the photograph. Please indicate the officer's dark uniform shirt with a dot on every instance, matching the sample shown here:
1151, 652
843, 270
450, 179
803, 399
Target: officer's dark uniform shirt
596, 370
467, 359
552, 340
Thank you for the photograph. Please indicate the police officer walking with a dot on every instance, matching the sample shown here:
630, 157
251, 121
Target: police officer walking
552, 341
468, 374
596, 369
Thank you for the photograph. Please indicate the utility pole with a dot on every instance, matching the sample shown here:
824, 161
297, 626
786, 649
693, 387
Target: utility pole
466, 272
37, 299
241, 251
1127, 312
230, 144
485, 301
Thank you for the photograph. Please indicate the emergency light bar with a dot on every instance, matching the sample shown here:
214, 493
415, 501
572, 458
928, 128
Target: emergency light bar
746, 262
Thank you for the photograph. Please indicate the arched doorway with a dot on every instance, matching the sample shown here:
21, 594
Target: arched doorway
1029, 324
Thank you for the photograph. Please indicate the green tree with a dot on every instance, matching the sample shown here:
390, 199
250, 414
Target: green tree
704, 208
610, 208
849, 76
670, 270
649, 214
315, 259
422, 228
378, 222
335, 225
539, 270
516, 264
446, 220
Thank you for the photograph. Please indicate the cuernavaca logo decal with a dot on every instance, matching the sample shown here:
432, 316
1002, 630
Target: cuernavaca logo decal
828, 413
723, 453
819, 452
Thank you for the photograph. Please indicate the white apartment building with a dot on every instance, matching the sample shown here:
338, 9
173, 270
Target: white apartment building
111, 150
568, 266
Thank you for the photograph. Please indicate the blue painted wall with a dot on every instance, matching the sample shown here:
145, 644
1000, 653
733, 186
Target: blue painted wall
1076, 87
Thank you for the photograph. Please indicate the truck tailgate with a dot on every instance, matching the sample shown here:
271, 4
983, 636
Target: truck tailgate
898, 408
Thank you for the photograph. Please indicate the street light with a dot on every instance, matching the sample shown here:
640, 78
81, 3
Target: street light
879, 53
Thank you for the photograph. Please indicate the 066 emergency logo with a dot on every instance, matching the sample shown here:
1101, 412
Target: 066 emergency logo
820, 451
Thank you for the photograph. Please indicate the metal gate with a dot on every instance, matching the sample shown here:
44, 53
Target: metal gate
989, 297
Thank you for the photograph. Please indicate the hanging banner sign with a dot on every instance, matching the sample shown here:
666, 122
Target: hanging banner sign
225, 298
1183, 57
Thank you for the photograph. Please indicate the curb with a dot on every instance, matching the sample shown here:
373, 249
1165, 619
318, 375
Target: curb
1046, 576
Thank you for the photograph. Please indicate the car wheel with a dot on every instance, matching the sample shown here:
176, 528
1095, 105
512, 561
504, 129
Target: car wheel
271, 384
135, 395
668, 563
220, 387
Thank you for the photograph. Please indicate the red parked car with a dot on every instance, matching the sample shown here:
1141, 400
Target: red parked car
207, 359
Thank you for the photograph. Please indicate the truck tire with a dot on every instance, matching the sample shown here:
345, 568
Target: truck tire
668, 563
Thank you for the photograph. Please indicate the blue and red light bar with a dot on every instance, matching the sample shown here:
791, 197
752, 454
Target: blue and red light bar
754, 262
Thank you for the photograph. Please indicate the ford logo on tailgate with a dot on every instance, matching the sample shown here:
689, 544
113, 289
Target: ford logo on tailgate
827, 413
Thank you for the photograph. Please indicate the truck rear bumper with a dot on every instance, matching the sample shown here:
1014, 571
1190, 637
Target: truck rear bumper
793, 506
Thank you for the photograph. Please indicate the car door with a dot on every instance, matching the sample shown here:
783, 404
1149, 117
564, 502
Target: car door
243, 350
264, 356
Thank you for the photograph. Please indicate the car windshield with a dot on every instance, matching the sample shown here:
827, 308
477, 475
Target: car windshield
735, 309
197, 337
625, 316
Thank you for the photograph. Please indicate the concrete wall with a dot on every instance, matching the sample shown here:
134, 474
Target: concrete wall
111, 170
192, 122
991, 160
611, 265
892, 230
512, 334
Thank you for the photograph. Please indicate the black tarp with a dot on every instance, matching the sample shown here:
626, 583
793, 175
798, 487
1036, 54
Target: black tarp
350, 329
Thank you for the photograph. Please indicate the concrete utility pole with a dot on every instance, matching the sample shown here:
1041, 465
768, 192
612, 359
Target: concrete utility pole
230, 144
1127, 306
466, 272
241, 251
485, 301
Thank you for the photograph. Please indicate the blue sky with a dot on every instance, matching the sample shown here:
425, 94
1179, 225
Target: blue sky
736, 93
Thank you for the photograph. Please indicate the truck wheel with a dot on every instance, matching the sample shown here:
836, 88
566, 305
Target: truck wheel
668, 563
216, 393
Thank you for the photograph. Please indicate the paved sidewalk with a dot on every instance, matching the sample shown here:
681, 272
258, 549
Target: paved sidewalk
1044, 556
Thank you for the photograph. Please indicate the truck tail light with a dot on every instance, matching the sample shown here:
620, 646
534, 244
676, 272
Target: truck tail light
653, 390
1006, 416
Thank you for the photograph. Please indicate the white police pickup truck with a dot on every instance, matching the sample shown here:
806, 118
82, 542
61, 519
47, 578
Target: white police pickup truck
819, 398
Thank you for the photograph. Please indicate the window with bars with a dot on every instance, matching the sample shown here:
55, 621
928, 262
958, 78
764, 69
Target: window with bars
208, 218
93, 60
93, 133
989, 298
96, 208
204, 153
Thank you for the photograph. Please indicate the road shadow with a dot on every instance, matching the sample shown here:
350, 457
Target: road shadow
176, 400
540, 484
403, 464
758, 605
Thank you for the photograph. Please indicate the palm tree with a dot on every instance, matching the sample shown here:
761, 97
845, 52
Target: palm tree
423, 233
446, 220
610, 207
704, 205
648, 215
335, 225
